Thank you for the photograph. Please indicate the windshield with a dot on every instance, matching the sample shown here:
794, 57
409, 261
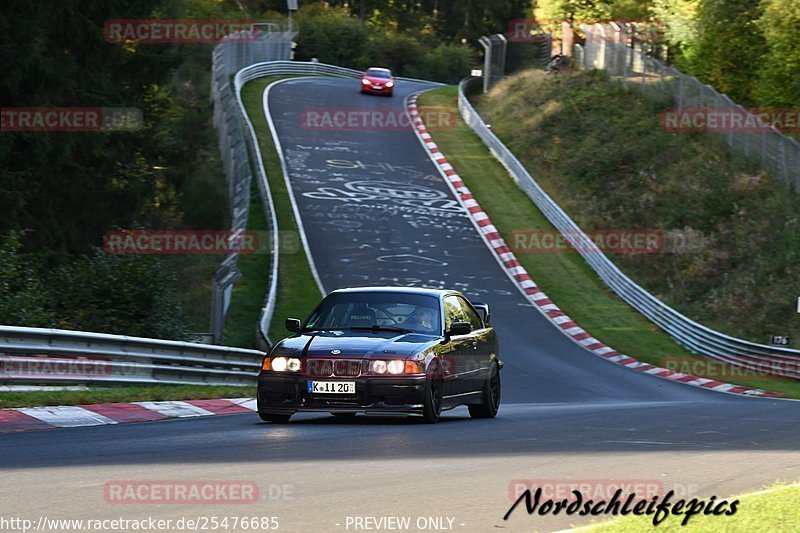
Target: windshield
385, 74
377, 310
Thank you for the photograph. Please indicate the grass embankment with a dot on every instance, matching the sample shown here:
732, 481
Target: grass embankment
249, 291
599, 149
297, 291
90, 396
564, 276
771, 510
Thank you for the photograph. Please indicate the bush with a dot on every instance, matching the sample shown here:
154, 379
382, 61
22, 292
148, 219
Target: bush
24, 299
330, 35
122, 294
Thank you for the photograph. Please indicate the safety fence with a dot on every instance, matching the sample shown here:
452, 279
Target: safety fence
694, 336
620, 50
53, 356
231, 55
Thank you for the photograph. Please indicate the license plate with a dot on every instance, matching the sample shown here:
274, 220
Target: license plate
332, 387
377, 87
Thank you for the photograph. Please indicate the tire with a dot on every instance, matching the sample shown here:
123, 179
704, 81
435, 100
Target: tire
490, 396
274, 418
348, 416
432, 404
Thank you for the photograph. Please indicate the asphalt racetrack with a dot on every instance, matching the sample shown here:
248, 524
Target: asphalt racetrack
376, 212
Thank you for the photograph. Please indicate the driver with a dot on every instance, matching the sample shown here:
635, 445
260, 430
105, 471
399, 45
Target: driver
423, 318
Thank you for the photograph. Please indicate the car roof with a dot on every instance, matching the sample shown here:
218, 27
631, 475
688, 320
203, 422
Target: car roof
403, 290
380, 69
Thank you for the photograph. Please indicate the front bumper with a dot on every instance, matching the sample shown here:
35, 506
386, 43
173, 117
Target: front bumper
288, 394
381, 90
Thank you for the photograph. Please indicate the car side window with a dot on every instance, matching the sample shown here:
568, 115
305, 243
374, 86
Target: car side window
453, 311
472, 316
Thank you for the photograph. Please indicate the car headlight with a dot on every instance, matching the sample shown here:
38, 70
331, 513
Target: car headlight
282, 364
365, 82
396, 367
390, 84
378, 367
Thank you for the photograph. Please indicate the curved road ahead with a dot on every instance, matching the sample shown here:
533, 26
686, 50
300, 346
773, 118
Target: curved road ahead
375, 211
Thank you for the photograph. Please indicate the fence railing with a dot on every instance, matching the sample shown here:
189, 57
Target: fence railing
617, 49
229, 57
694, 336
49, 356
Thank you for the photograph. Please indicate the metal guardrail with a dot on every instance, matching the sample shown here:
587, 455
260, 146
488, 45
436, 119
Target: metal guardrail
694, 336
36, 355
262, 70
230, 56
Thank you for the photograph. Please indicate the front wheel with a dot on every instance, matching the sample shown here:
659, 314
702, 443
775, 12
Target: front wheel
432, 404
274, 418
490, 396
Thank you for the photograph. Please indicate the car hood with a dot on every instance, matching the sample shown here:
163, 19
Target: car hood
353, 344
377, 81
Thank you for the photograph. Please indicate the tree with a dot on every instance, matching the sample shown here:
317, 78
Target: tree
730, 47
778, 83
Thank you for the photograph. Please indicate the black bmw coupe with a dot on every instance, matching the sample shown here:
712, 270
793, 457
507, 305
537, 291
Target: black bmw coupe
385, 351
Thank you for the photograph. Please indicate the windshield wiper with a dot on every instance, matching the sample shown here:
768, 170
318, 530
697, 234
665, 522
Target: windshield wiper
376, 327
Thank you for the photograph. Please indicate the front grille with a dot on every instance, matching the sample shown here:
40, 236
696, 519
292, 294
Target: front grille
326, 368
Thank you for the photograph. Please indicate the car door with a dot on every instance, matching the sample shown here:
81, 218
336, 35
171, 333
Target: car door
476, 349
454, 362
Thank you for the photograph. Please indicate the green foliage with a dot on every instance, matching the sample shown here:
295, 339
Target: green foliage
123, 294
730, 47
333, 36
330, 35
778, 83
448, 63
62, 191
24, 299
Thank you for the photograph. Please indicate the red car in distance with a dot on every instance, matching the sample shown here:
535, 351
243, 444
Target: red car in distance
377, 81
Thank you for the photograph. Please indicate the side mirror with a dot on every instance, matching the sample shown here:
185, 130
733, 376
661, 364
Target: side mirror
293, 325
483, 309
394, 77
459, 328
